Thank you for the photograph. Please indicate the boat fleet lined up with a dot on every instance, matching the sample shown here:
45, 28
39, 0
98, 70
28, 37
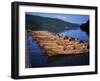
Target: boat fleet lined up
55, 44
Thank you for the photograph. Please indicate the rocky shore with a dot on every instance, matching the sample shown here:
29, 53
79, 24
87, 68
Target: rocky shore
54, 44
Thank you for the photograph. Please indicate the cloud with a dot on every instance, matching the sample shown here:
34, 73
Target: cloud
60, 17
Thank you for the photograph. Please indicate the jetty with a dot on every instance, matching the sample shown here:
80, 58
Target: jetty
55, 44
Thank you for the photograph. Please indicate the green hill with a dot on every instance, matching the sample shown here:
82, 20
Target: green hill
85, 27
50, 24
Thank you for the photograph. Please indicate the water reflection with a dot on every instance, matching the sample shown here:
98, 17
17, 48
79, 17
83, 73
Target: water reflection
78, 33
70, 60
40, 59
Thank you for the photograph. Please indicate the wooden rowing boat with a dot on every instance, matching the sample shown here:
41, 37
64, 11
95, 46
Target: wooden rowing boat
54, 44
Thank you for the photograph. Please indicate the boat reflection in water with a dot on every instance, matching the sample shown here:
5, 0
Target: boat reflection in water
70, 60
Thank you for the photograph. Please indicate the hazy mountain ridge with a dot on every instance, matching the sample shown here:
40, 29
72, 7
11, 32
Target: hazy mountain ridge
34, 22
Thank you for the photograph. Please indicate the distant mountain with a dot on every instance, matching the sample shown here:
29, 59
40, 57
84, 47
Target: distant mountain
34, 22
85, 27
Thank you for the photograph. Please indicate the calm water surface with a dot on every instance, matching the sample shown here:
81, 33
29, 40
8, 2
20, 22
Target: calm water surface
78, 33
39, 59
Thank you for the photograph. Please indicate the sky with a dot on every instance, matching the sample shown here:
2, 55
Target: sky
78, 19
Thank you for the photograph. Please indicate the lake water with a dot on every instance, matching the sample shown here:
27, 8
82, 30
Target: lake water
39, 59
78, 33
